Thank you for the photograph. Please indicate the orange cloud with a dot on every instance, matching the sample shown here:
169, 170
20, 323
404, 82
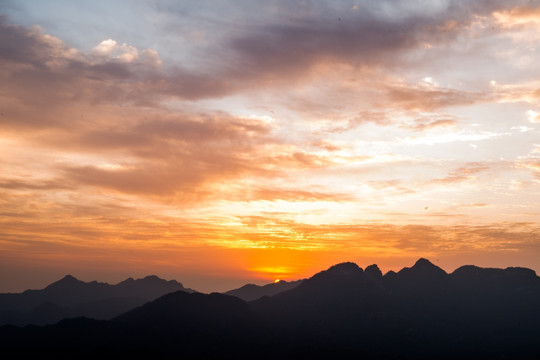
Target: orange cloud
445, 123
428, 99
462, 174
519, 15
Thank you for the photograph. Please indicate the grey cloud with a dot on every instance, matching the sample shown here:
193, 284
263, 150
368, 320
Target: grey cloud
367, 36
267, 53
22, 45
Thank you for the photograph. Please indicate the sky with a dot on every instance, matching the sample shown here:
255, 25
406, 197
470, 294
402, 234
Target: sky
225, 142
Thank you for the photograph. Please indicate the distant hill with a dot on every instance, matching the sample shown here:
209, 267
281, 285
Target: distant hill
252, 292
70, 297
345, 311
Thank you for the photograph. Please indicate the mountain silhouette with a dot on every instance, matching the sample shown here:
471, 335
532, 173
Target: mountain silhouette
197, 319
250, 292
420, 312
70, 297
373, 272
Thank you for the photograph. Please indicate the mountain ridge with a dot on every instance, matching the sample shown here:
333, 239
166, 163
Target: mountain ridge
72, 297
251, 292
340, 312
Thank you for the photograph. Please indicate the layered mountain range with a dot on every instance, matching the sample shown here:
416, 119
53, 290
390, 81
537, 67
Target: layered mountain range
342, 312
70, 297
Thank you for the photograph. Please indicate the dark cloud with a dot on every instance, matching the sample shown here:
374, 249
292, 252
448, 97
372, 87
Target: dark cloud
278, 51
193, 86
23, 45
110, 70
366, 36
41, 71
269, 54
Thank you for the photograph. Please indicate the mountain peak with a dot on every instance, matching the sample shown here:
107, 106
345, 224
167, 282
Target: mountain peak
423, 269
68, 280
373, 271
423, 262
342, 271
345, 268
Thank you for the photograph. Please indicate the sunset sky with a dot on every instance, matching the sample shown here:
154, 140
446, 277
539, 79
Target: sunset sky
225, 142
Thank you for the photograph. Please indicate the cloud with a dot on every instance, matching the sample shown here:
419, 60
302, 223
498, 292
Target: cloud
272, 194
150, 57
461, 174
29, 46
429, 98
120, 73
269, 52
165, 155
435, 124
15, 184
518, 16
386, 240
105, 48
371, 36
103, 107
468, 206
376, 117
34, 62
533, 116
109, 49
533, 165
395, 186
326, 145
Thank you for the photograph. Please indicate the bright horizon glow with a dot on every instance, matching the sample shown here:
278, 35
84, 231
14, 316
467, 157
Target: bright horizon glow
253, 141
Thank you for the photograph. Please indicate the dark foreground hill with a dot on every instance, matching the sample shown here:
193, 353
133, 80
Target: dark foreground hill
70, 297
342, 312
